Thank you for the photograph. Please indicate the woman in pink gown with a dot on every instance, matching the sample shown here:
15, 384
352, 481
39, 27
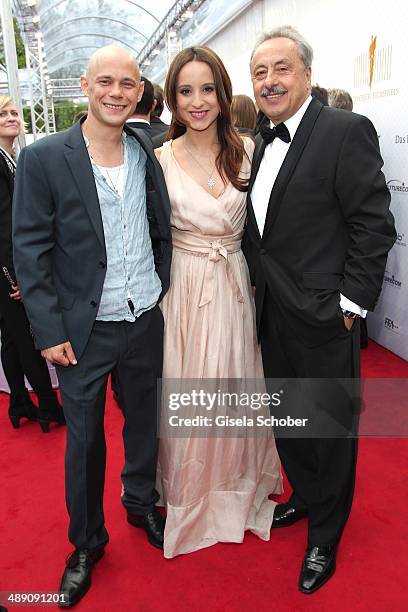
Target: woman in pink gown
214, 488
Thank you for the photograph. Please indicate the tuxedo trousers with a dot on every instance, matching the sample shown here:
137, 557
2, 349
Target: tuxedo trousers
135, 351
320, 469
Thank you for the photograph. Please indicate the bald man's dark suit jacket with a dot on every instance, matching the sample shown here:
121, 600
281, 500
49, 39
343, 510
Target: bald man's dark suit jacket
328, 227
59, 245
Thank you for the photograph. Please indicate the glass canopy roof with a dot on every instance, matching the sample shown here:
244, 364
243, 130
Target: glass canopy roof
73, 29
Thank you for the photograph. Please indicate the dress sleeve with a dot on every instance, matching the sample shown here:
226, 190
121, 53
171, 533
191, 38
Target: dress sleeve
249, 146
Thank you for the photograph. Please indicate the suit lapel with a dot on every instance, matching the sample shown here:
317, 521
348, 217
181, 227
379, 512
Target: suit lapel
154, 178
142, 137
78, 160
145, 142
256, 162
295, 151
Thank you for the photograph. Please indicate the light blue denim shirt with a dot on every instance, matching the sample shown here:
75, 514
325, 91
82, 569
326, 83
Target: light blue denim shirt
130, 271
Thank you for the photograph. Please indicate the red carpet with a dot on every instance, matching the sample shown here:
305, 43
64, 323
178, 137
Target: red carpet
372, 560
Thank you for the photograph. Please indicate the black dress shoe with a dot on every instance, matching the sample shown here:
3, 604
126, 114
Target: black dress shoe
286, 515
76, 579
153, 523
318, 566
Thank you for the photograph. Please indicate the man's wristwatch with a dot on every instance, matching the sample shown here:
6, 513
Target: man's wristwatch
349, 314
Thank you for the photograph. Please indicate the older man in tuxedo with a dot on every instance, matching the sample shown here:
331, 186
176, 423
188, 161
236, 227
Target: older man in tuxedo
92, 255
318, 233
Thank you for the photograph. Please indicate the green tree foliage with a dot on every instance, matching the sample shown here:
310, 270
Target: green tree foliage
65, 111
19, 47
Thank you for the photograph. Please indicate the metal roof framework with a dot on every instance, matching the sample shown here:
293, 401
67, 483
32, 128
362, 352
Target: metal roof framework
60, 36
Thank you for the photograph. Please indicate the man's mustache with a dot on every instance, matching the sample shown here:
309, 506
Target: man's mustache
272, 90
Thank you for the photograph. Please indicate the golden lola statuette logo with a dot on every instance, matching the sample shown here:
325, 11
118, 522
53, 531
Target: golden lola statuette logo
371, 52
373, 67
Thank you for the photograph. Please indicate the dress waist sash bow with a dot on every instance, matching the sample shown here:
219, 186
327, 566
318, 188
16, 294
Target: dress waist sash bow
217, 249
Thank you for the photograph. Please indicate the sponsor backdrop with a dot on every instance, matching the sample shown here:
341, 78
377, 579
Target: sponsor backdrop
361, 47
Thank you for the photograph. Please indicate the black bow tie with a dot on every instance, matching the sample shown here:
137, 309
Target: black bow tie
279, 131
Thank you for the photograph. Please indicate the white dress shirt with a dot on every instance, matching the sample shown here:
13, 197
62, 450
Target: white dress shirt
271, 163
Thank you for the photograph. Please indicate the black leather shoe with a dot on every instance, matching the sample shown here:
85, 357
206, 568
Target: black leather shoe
318, 566
286, 515
76, 579
153, 523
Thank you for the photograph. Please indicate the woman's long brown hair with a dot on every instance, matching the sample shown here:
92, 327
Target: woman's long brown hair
229, 159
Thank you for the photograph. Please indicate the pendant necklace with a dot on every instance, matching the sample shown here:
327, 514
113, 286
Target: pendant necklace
211, 181
114, 184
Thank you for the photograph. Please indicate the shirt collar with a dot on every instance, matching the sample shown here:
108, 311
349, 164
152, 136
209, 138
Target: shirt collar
293, 122
137, 120
124, 136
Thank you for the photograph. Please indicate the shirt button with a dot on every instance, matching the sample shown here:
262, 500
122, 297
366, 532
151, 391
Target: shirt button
93, 303
102, 264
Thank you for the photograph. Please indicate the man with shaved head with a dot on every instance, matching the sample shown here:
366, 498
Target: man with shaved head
92, 255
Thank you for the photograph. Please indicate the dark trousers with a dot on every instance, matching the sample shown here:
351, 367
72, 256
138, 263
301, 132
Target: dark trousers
136, 351
321, 470
18, 354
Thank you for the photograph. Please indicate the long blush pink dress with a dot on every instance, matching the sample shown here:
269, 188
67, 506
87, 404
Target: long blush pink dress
214, 488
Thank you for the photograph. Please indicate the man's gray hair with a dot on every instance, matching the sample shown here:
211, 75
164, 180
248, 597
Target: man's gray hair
287, 31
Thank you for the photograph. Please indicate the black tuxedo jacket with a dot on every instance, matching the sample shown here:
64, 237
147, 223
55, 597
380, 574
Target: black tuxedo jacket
328, 227
156, 129
59, 245
141, 125
159, 128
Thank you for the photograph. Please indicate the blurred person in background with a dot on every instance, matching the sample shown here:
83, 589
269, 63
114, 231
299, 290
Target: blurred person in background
243, 114
159, 128
80, 115
18, 354
141, 117
321, 94
339, 98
